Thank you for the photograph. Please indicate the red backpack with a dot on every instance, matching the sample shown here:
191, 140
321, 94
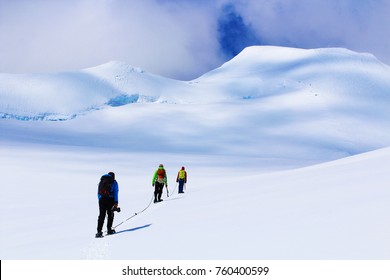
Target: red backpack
105, 184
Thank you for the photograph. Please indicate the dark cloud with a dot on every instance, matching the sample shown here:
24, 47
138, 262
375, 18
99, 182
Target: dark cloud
357, 25
179, 39
233, 33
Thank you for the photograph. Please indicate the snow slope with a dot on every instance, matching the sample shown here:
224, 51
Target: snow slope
335, 210
286, 151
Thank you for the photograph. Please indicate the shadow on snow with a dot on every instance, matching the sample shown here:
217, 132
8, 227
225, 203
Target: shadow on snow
133, 229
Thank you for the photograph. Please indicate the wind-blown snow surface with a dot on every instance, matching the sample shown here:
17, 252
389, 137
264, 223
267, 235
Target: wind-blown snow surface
285, 151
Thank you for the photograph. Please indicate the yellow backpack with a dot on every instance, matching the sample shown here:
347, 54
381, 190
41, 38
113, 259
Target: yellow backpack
182, 174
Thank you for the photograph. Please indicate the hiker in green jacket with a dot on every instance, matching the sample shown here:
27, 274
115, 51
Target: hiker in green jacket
159, 180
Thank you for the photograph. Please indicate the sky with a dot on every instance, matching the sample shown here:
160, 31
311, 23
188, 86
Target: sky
179, 39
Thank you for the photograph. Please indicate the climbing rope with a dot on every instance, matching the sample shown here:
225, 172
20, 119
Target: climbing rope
143, 210
173, 190
136, 213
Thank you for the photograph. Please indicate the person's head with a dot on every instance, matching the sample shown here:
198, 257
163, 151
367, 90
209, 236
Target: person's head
161, 166
182, 168
112, 174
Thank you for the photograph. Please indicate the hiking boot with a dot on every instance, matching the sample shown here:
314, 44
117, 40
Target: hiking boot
99, 234
111, 231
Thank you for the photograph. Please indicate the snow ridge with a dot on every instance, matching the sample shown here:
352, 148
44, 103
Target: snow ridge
257, 72
321, 103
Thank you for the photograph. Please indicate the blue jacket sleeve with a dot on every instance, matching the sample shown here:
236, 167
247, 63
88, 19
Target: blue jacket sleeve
115, 188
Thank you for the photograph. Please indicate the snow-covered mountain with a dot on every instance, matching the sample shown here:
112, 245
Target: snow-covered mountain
256, 73
286, 151
267, 101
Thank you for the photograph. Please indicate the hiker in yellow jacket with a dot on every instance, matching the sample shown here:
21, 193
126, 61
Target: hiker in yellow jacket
159, 180
181, 179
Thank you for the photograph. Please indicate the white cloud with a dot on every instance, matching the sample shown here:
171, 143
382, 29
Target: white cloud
175, 38
47, 36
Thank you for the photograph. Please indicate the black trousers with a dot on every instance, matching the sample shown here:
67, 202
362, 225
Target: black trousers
158, 189
105, 206
181, 185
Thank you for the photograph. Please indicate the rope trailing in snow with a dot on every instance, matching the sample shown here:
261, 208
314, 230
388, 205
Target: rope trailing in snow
173, 190
143, 210
136, 213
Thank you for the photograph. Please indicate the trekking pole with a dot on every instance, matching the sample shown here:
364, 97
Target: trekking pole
167, 192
